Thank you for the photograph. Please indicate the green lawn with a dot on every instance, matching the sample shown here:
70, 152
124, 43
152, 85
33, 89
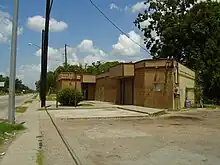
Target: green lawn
21, 109
35, 96
28, 102
8, 128
51, 97
40, 157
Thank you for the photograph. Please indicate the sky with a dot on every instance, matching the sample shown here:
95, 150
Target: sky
89, 36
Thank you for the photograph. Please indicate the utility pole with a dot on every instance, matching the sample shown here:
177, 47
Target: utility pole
65, 62
45, 52
42, 98
11, 107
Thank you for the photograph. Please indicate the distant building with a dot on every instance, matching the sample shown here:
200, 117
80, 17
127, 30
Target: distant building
160, 83
85, 83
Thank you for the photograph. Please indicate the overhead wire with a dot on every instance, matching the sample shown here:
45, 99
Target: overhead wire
117, 27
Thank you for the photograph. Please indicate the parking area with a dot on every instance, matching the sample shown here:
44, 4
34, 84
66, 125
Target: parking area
145, 141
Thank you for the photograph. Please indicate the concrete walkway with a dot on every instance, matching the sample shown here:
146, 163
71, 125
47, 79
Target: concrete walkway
104, 105
24, 149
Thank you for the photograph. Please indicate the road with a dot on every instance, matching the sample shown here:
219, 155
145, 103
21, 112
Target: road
18, 101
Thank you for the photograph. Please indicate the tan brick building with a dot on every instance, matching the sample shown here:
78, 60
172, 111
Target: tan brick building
153, 83
84, 83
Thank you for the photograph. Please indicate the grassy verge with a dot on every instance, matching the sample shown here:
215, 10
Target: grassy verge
19, 94
21, 109
85, 105
40, 157
35, 96
6, 129
51, 97
28, 102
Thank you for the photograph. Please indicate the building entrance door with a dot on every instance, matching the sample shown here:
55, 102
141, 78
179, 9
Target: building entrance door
127, 91
85, 91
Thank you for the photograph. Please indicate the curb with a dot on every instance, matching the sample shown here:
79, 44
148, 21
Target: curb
154, 114
104, 118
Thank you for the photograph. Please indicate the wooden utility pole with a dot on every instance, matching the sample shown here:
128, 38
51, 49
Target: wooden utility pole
65, 61
42, 68
45, 53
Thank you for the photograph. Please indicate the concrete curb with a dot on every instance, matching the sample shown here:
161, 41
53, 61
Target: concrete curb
104, 118
73, 108
154, 114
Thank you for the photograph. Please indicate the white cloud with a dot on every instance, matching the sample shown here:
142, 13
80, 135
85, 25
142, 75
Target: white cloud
116, 7
29, 74
91, 58
6, 27
37, 23
56, 56
126, 47
138, 7
87, 46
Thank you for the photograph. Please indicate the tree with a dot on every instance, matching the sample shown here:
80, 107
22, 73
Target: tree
96, 68
37, 85
51, 82
19, 86
190, 34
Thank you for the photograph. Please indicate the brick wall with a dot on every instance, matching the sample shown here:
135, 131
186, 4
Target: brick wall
106, 89
158, 88
71, 84
139, 90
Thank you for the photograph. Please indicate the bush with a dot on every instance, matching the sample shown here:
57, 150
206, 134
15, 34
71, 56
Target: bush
69, 97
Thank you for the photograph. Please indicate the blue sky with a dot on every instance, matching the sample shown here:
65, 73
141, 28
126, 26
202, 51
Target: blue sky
76, 23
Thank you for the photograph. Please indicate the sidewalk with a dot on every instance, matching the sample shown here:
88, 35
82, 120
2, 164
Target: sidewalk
24, 149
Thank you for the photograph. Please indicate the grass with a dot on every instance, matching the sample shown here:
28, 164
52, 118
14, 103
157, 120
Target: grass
35, 96
19, 94
3, 93
51, 97
85, 105
21, 109
28, 101
40, 157
9, 128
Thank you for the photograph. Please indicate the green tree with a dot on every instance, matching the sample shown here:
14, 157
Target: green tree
51, 82
190, 35
37, 85
19, 86
98, 67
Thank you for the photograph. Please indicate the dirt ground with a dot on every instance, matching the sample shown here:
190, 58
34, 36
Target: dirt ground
176, 140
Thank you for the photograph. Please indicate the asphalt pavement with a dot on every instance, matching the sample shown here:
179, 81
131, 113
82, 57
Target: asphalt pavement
19, 100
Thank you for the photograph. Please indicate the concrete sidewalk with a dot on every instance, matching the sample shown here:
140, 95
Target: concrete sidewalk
24, 149
106, 105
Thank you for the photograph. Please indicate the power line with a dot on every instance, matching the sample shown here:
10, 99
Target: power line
118, 28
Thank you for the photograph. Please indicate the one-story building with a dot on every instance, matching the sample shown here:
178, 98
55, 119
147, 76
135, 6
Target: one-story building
162, 83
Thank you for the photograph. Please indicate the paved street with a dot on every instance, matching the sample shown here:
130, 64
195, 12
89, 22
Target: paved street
18, 101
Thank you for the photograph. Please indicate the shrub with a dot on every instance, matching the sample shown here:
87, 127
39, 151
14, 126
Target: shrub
69, 97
